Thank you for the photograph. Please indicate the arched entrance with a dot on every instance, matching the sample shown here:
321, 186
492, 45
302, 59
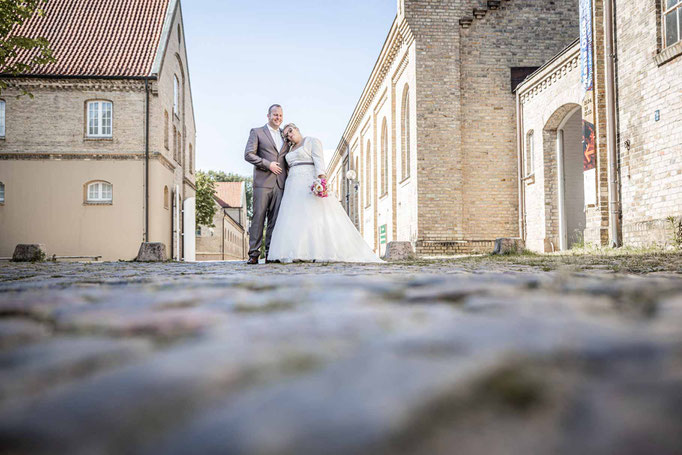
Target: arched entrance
562, 135
572, 188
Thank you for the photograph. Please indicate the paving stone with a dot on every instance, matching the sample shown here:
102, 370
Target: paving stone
396, 358
14, 331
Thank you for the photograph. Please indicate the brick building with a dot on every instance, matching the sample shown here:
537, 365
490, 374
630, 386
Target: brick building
228, 238
477, 122
433, 137
633, 184
102, 158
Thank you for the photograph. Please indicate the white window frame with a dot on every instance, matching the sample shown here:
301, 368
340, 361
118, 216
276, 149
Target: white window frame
675, 9
100, 130
2, 193
99, 195
2, 118
529, 162
176, 96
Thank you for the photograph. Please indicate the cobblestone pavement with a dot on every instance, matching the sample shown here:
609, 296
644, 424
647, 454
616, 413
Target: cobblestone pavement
467, 356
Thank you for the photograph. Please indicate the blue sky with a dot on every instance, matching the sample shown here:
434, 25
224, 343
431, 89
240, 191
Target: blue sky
311, 56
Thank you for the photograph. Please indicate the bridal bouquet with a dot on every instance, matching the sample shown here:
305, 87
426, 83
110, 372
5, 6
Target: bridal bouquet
319, 188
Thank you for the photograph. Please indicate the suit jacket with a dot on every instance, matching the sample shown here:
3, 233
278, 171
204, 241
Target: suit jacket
261, 151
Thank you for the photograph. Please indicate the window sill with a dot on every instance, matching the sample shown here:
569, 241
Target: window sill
668, 53
98, 139
98, 203
529, 179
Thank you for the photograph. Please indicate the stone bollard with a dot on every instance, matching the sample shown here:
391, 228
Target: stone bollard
152, 252
399, 251
509, 245
29, 252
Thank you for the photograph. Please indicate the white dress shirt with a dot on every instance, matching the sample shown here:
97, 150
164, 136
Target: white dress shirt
277, 137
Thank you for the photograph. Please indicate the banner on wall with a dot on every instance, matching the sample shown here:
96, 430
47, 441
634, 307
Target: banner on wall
587, 80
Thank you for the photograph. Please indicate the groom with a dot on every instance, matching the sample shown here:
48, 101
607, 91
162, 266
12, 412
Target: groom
266, 150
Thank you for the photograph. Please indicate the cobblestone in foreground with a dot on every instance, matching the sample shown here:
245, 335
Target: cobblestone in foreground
427, 358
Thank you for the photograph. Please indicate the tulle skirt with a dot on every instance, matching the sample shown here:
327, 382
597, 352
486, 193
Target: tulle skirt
314, 228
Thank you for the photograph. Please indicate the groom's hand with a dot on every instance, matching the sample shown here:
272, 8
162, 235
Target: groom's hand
275, 169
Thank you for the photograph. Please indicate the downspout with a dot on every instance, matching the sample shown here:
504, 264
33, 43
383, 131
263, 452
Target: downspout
614, 196
146, 161
519, 147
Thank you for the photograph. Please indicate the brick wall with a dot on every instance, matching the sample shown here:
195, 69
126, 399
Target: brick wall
649, 80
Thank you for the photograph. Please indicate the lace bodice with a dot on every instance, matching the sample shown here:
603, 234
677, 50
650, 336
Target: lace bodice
309, 152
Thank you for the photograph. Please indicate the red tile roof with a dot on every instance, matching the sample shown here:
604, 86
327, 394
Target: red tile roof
229, 194
98, 37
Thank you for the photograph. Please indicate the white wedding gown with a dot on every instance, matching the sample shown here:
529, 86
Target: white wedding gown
309, 227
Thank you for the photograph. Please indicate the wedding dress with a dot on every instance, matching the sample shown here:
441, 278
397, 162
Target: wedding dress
310, 227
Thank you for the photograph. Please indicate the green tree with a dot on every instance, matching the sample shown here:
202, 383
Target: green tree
205, 203
13, 13
220, 176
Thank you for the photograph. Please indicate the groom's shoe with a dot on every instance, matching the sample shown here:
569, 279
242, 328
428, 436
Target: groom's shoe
252, 260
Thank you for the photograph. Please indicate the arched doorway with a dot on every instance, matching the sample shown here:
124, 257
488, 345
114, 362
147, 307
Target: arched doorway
572, 186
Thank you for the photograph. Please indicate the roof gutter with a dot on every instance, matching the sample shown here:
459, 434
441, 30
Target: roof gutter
72, 76
613, 190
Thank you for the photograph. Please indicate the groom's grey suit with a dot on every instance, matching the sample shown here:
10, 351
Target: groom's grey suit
267, 187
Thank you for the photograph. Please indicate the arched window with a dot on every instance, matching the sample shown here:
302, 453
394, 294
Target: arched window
384, 158
166, 198
99, 192
165, 128
529, 162
2, 193
176, 96
2, 118
368, 173
100, 119
191, 159
405, 136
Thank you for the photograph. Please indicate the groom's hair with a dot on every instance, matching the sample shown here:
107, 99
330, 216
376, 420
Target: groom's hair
272, 107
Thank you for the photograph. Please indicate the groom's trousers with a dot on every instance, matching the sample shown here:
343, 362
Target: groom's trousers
265, 205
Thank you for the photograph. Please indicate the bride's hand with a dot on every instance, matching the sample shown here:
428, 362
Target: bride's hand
322, 176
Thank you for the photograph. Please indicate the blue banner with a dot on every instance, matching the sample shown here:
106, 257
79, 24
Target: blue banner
586, 60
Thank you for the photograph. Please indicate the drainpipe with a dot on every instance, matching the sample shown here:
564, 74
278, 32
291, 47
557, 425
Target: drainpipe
614, 196
146, 161
519, 147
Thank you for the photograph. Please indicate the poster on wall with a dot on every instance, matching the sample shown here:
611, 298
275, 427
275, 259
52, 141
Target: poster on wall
587, 81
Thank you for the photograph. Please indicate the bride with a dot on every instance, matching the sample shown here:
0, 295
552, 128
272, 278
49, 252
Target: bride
310, 227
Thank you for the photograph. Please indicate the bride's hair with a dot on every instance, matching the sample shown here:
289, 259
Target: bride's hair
289, 125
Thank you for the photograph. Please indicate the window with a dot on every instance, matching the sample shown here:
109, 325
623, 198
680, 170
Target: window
2, 118
165, 197
672, 21
99, 192
180, 151
175, 143
2, 193
191, 159
100, 118
179, 35
176, 96
165, 129
405, 143
384, 158
368, 174
530, 154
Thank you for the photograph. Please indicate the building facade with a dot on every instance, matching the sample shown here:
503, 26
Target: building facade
432, 138
493, 119
604, 169
228, 238
102, 157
